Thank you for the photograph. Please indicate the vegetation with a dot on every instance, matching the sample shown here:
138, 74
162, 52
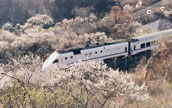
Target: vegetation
80, 85
33, 29
21, 10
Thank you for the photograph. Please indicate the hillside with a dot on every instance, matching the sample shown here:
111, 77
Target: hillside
21, 10
32, 29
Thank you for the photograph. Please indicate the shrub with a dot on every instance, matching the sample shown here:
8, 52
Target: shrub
80, 84
8, 26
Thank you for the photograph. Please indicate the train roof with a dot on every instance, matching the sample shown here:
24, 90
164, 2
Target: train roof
90, 46
132, 40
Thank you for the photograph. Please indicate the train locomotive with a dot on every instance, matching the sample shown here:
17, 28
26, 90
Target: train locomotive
106, 51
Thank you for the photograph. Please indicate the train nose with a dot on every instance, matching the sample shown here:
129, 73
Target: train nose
49, 61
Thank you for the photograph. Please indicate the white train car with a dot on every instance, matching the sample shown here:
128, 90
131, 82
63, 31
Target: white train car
148, 42
97, 53
106, 51
144, 43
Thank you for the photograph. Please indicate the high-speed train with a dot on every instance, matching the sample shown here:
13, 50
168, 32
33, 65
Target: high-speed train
105, 51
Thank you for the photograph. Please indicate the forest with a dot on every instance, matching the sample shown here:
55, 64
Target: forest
32, 29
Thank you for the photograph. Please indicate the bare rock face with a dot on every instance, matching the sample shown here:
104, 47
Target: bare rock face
164, 24
158, 25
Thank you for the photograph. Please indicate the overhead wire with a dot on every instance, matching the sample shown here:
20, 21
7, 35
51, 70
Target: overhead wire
152, 11
136, 15
148, 8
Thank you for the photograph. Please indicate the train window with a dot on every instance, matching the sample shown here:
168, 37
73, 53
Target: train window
71, 57
134, 47
96, 52
125, 49
152, 43
90, 53
65, 58
86, 54
101, 51
56, 61
77, 51
142, 45
147, 44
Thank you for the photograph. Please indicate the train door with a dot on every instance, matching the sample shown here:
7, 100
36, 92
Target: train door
129, 48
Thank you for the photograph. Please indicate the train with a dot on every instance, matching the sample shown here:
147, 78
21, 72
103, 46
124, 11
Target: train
127, 47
